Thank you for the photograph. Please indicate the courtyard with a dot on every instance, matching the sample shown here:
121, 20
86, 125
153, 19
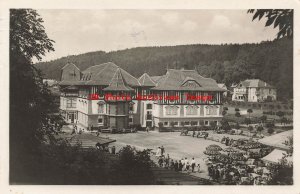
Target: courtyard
176, 146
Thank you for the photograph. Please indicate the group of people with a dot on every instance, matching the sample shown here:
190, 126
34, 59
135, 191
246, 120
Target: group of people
183, 165
238, 174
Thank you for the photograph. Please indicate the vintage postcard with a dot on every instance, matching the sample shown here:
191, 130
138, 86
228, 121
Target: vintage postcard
166, 94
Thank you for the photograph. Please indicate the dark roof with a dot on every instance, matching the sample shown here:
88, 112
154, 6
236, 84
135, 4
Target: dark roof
157, 78
188, 80
103, 74
118, 83
70, 74
254, 83
146, 80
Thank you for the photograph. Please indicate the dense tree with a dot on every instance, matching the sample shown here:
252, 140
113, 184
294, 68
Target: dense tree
30, 101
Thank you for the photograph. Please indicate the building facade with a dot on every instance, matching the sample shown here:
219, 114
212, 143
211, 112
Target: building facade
254, 90
106, 96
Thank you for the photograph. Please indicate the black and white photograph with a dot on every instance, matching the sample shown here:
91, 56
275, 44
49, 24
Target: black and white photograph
151, 96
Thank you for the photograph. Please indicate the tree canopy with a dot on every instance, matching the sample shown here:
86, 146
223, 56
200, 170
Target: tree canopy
31, 103
281, 18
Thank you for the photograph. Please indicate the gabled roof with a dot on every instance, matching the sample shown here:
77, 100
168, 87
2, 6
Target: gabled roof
70, 74
174, 79
118, 83
222, 85
254, 83
145, 80
102, 74
70, 64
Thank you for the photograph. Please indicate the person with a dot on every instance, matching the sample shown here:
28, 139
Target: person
187, 166
227, 141
185, 162
193, 163
160, 161
180, 165
162, 150
176, 167
158, 152
147, 129
194, 133
167, 161
98, 146
198, 168
113, 150
172, 164
198, 134
74, 130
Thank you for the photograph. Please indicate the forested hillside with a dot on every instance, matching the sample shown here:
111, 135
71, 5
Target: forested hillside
270, 61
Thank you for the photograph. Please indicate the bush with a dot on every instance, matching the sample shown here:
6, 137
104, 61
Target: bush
225, 125
247, 121
260, 128
237, 114
269, 125
280, 113
133, 168
270, 131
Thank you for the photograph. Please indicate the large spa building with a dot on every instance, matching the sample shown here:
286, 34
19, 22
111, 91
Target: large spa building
106, 96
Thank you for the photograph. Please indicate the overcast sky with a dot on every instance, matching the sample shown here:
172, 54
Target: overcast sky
81, 31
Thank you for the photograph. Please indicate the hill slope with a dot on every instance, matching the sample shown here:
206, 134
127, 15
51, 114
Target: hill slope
270, 61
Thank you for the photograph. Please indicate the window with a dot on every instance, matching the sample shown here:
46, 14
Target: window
194, 123
130, 120
130, 107
100, 108
187, 123
191, 110
175, 123
171, 110
71, 103
166, 123
206, 123
100, 120
149, 106
149, 115
211, 110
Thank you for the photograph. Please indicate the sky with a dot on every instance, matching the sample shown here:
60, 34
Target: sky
81, 31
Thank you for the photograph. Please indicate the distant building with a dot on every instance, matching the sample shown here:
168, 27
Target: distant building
84, 98
254, 90
223, 86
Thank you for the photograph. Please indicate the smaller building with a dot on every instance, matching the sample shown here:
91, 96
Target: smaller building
254, 90
223, 86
